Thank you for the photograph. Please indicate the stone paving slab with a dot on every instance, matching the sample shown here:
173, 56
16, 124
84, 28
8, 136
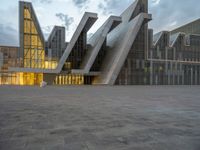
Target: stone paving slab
100, 118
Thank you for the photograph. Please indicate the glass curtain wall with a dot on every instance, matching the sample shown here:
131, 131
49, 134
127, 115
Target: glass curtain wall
34, 54
69, 79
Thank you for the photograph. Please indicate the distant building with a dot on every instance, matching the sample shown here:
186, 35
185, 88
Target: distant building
175, 59
8, 58
123, 51
175, 56
190, 28
56, 43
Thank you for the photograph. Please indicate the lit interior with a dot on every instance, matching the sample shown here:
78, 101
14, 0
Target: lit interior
34, 54
34, 57
51, 64
21, 78
69, 80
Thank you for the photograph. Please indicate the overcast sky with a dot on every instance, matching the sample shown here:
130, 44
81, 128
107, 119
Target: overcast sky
167, 14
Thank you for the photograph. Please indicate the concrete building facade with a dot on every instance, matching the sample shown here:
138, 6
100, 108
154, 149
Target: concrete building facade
55, 44
123, 51
175, 59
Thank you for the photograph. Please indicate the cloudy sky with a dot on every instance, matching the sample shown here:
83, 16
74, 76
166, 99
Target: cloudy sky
167, 14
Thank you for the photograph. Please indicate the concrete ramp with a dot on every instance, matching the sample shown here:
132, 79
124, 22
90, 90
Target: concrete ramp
96, 42
85, 24
120, 42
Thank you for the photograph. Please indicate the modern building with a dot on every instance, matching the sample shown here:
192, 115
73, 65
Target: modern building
190, 28
123, 51
55, 46
175, 61
175, 56
8, 58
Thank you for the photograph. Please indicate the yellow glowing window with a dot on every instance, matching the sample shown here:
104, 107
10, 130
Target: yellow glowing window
27, 53
27, 26
34, 40
39, 43
27, 13
34, 53
27, 40
33, 28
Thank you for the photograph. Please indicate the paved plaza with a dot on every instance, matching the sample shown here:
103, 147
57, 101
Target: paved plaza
100, 118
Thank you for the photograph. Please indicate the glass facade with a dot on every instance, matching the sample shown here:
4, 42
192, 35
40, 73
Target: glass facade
177, 64
100, 58
69, 79
8, 58
21, 78
56, 45
78, 52
34, 53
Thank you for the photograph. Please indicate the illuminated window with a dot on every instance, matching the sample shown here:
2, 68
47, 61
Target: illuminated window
34, 55
21, 78
69, 80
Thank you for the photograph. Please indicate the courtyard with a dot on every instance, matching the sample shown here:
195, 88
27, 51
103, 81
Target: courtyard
100, 118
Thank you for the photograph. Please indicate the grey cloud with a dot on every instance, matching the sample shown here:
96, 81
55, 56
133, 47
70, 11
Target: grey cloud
80, 3
8, 35
113, 6
103, 8
66, 19
43, 1
169, 14
47, 30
